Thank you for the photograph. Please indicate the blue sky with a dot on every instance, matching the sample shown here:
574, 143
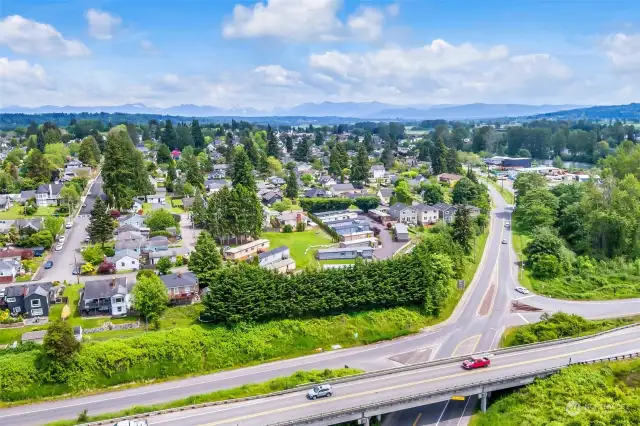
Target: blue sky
278, 53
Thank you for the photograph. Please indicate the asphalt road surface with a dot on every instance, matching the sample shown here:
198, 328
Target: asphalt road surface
475, 326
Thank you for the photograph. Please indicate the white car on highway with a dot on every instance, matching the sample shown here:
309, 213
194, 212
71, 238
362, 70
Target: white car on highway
522, 290
319, 391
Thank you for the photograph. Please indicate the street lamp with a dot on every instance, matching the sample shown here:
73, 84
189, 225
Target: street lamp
75, 261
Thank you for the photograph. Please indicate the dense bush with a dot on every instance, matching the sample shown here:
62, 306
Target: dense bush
367, 203
198, 349
314, 205
326, 228
249, 293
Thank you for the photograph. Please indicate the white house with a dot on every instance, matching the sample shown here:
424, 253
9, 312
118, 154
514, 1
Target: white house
134, 220
126, 260
403, 213
48, 194
377, 172
172, 254
426, 214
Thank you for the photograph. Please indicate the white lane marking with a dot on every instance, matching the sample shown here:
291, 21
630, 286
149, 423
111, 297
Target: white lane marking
523, 318
442, 414
463, 410
496, 336
523, 297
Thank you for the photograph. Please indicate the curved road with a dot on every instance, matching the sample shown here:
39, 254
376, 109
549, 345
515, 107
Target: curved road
475, 326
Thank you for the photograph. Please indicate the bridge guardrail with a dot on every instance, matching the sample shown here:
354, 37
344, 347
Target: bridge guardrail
453, 389
547, 371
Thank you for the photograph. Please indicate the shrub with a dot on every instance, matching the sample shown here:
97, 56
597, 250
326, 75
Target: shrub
313, 205
300, 227
287, 229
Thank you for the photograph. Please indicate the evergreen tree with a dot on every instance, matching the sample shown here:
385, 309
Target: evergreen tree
360, 166
289, 143
319, 139
453, 165
145, 133
184, 136
368, 142
32, 129
462, 229
387, 157
291, 190
163, 155
338, 160
439, 158
205, 259
99, 139
117, 171
193, 174
132, 130
141, 184
273, 148
169, 135
198, 210
89, 152
242, 171
40, 143
302, 150
37, 167
196, 135
100, 227
252, 152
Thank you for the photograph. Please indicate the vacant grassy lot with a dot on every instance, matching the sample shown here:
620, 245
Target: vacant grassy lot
299, 243
17, 212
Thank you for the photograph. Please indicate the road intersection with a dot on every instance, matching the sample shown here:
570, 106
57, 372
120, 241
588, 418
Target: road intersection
475, 326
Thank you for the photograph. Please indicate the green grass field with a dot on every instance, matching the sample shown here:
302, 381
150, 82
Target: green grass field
299, 243
17, 212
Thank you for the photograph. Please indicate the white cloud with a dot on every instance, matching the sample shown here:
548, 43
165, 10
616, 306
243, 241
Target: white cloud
102, 25
288, 19
278, 76
623, 51
366, 23
17, 76
305, 20
393, 9
148, 47
34, 38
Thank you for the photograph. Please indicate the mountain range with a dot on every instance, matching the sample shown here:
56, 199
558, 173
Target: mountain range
362, 110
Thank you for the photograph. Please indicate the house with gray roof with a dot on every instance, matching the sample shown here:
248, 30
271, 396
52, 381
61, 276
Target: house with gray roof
126, 260
182, 287
111, 296
29, 300
403, 213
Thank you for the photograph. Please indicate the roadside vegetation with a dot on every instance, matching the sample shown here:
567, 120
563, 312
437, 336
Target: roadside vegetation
299, 378
598, 394
560, 325
580, 240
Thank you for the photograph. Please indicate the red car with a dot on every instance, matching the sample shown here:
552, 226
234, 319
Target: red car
473, 363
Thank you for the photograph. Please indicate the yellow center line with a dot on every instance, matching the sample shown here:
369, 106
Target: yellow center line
420, 382
417, 419
462, 343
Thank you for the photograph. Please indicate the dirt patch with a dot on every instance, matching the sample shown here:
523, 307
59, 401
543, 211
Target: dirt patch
517, 307
487, 301
413, 357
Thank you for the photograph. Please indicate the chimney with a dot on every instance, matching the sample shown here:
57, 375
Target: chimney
299, 218
113, 282
179, 274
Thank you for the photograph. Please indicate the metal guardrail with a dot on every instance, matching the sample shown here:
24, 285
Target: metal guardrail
368, 375
454, 389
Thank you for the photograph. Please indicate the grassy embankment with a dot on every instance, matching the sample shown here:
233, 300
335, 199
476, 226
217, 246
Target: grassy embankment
298, 378
598, 394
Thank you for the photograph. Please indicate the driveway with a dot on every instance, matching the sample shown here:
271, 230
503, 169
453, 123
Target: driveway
388, 245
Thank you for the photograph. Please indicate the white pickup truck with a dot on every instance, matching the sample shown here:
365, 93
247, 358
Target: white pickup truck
131, 423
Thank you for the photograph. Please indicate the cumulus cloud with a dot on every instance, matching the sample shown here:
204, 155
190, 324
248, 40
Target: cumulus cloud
278, 76
366, 23
287, 19
442, 72
102, 25
34, 38
305, 20
623, 51
19, 75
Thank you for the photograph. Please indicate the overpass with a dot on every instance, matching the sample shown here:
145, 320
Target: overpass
380, 392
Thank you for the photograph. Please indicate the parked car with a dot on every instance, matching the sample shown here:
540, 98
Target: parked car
76, 270
48, 264
522, 290
319, 391
69, 225
2, 293
87, 239
62, 239
473, 363
504, 241
508, 224
59, 247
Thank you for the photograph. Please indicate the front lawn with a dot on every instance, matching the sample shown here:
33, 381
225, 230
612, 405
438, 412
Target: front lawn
299, 244
17, 212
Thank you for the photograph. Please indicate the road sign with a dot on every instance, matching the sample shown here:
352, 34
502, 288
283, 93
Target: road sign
457, 398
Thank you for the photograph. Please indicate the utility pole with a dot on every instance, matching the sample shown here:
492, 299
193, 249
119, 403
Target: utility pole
75, 260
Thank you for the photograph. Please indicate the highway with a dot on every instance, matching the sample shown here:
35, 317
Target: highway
475, 326
294, 406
